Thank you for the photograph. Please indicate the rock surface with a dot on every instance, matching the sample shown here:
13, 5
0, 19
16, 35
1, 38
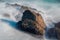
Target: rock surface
51, 34
54, 33
32, 22
57, 27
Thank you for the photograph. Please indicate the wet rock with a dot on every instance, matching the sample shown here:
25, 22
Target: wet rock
54, 33
28, 15
32, 22
51, 33
57, 27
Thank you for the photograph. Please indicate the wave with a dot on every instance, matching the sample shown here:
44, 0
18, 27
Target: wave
50, 8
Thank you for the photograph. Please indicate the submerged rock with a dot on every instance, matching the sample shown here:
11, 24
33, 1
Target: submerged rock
32, 22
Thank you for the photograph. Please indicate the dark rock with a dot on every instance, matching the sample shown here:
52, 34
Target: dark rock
54, 33
28, 15
57, 27
51, 33
31, 22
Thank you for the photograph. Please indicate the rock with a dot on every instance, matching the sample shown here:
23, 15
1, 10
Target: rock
28, 15
57, 27
54, 33
51, 33
32, 22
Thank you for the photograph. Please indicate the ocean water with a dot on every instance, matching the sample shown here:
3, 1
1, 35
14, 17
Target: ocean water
50, 9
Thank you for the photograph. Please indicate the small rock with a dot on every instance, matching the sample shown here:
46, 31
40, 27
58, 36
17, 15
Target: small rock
57, 27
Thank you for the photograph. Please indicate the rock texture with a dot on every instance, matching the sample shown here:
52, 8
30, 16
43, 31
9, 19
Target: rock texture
32, 22
57, 27
54, 33
51, 33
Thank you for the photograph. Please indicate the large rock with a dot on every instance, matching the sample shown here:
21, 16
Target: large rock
32, 22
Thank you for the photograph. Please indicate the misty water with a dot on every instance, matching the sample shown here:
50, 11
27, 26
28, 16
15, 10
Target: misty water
50, 9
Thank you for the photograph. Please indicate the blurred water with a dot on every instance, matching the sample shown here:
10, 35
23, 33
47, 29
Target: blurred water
50, 9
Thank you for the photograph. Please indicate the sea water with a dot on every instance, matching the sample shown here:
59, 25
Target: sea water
50, 9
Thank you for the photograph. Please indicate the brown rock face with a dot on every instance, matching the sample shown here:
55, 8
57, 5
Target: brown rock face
32, 22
